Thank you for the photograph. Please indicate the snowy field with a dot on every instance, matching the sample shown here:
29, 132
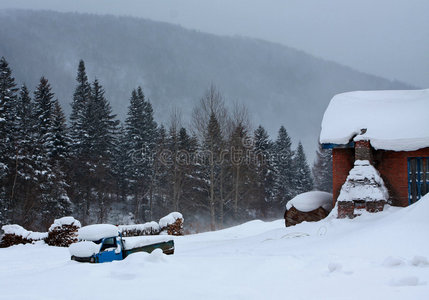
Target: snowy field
375, 256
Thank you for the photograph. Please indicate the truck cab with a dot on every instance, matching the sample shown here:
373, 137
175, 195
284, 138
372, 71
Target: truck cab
111, 248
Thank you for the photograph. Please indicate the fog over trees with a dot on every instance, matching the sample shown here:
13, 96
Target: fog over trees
217, 172
279, 85
118, 119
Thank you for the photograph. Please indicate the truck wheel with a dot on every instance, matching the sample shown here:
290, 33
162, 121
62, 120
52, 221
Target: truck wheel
92, 260
73, 257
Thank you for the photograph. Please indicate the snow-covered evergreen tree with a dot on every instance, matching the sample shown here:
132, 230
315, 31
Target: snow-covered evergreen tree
283, 169
322, 170
60, 134
7, 98
119, 165
78, 116
212, 148
263, 150
100, 144
23, 177
303, 181
52, 197
161, 174
141, 133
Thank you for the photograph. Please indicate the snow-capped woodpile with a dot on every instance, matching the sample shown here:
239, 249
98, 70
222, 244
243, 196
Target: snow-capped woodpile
172, 224
310, 207
364, 189
15, 234
150, 228
63, 232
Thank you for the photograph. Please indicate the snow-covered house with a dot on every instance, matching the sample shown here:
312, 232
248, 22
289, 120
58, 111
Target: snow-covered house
380, 142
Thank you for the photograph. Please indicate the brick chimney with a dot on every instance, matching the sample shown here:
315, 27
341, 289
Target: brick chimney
364, 188
363, 151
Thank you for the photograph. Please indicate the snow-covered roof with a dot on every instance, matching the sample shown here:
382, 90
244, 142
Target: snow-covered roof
309, 201
394, 120
97, 232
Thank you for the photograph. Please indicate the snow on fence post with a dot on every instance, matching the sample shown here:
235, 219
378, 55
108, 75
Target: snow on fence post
172, 224
63, 232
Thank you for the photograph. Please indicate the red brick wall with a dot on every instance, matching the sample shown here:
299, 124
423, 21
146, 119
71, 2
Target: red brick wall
393, 169
391, 165
342, 163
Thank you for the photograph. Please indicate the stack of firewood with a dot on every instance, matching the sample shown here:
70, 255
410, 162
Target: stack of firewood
10, 239
175, 228
63, 232
150, 228
15, 234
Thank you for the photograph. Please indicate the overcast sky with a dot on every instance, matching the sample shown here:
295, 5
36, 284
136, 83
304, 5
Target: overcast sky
389, 38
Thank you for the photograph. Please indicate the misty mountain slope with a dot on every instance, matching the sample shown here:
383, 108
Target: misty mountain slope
174, 66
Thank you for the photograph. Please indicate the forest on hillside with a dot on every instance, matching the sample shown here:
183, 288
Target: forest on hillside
216, 171
278, 84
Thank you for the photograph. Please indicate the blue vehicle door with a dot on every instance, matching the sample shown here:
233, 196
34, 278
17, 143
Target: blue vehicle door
110, 250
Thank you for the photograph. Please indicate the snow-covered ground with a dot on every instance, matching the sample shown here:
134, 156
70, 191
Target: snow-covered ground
375, 256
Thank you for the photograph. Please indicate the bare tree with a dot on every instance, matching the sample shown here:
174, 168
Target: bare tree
211, 102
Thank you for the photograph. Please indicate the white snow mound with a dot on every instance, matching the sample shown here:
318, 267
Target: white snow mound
309, 201
140, 241
84, 249
64, 221
385, 115
20, 231
170, 219
141, 227
97, 232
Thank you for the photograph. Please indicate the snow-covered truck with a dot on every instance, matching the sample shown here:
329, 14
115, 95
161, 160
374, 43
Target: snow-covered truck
104, 243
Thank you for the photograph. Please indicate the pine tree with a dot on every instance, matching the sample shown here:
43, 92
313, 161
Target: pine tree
240, 171
141, 132
52, 197
303, 182
212, 148
61, 140
7, 98
187, 147
78, 116
284, 169
78, 164
263, 150
119, 167
161, 174
23, 180
322, 170
99, 142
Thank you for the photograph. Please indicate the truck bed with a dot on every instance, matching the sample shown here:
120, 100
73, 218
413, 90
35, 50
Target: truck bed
148, 244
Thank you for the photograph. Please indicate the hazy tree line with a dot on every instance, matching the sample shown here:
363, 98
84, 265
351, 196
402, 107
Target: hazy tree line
216, 171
